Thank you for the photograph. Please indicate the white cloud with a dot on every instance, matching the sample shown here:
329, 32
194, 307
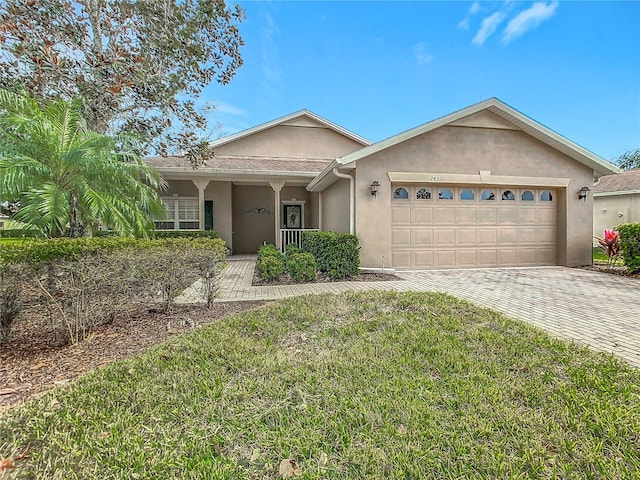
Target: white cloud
528, 19
464, 23
230, 109
273, 74
422, 56
488, 27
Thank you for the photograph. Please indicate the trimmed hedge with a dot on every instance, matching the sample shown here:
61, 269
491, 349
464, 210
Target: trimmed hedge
19, 233
159, 234
270, 263
630, 245
83, 282
338, 254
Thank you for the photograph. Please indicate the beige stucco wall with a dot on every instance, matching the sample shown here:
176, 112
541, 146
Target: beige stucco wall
302, 138
220, 193
335, 207
253, 218
467, 150
612, 210
182, 188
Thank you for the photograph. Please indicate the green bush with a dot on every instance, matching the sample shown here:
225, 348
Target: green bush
270, 263
268, 249
289, 251
302, 267
159, 234
630, 245
338, 254
19, 233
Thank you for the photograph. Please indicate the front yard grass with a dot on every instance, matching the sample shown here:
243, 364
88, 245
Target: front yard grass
600, 257
356, 386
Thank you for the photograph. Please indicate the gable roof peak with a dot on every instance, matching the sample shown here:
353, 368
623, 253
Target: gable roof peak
287, 118
509, 114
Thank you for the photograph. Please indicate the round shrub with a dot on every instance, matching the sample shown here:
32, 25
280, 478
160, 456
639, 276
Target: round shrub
302, 267
270, 267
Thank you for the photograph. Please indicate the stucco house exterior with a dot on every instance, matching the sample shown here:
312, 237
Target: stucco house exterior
616, 200
484, 186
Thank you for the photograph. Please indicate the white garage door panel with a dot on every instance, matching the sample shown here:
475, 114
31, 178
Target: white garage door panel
401, 259
433, 233
467, 216
423, 215
423, 237
446, 216
400, 215
423, 257
401, 237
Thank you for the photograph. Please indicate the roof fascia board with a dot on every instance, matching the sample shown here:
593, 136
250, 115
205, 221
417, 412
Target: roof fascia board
286, 118
326, 178
621, 192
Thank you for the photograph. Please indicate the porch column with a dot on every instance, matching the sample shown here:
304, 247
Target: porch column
277, 186
320, 211
201, 185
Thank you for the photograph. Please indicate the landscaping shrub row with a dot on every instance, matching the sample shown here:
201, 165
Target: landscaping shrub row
630, 245
337, 254
19, 233
84, 282
159, 234
271, 263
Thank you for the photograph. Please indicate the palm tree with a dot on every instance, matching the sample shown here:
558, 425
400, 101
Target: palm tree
67, 178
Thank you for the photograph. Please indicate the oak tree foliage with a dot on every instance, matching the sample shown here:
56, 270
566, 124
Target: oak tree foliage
139, 65
629, 159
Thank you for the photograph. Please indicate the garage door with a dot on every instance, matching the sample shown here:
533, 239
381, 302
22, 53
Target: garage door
467, 226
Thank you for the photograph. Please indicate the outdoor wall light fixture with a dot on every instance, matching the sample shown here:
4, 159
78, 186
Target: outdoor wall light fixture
583, 192
375, 186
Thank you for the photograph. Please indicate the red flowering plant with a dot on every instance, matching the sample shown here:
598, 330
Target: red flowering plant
610, 244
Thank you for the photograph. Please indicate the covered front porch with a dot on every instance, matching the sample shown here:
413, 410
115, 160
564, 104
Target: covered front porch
245, 213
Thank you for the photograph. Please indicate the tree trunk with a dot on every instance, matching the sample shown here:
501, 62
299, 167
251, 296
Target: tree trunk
76, 230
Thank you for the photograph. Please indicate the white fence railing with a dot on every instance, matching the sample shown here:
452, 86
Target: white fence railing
293, 235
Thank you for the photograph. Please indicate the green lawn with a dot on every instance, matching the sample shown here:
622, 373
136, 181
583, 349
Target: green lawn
599, 256
355, 386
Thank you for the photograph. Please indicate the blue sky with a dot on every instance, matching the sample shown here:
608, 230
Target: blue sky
380, 68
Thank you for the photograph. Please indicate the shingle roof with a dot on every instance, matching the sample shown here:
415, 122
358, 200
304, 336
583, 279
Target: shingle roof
621, 182
243, 164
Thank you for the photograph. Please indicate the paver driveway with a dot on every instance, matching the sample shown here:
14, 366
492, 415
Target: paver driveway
593, 308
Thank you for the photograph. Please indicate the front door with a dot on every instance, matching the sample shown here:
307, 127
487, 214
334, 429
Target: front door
292, 215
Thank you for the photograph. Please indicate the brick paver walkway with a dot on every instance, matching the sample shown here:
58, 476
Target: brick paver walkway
592, 308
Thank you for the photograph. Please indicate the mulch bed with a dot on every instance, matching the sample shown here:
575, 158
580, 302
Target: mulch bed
613, 270
34, 360
324, 278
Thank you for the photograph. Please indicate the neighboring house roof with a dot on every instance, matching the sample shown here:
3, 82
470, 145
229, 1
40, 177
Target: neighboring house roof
599, 165
625, 182
288, 118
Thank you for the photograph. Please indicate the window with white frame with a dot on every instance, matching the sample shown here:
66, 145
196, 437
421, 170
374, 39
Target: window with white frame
180, 214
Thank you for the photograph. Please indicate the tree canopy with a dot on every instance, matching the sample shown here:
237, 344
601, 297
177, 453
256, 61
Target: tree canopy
67, 179
629, 159
139, 65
